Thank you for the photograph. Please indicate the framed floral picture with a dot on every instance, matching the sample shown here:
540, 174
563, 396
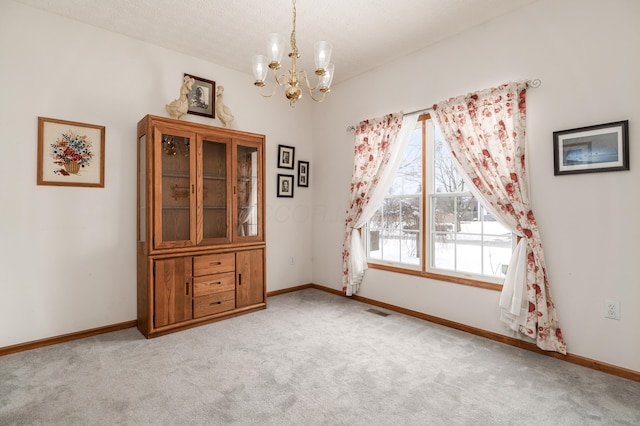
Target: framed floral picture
286, 156
202, 97
70, 153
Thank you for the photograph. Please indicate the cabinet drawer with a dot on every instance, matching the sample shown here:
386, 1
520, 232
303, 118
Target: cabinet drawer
214, 264
209, 284
214, 303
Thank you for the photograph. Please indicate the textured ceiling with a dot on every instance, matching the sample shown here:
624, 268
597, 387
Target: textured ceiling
365, 33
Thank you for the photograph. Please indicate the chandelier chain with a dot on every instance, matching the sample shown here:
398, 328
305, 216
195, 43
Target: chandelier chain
294, 46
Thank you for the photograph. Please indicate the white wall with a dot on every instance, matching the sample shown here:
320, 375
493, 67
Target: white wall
67, 254
586, 54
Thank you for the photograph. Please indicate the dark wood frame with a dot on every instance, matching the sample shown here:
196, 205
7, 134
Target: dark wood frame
210, 86
283, 150
282, 179
48, 134
303, 182
584, 139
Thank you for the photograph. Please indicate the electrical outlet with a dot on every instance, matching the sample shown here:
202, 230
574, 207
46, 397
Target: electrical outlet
612, 309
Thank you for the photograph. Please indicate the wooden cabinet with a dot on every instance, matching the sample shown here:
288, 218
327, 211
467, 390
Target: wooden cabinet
172, 296
201, 245
249, 273
214, 284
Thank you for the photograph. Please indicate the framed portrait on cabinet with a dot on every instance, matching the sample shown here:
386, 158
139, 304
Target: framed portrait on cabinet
202, 97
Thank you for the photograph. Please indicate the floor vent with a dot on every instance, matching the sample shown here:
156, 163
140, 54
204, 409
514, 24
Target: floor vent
377, 312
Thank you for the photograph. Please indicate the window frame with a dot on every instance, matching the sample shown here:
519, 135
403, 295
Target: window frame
424, 268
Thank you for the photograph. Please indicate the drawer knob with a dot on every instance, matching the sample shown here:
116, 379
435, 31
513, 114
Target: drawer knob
214, 303
215, 263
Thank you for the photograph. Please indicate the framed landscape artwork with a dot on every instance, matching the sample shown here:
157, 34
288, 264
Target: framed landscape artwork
600, 148
70, 153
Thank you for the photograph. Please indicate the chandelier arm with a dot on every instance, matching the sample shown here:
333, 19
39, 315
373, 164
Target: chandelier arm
281, 80
312, 91
273, 92
306, 79
317, 99
267, 95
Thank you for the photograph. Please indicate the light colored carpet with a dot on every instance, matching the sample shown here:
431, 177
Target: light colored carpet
311, 358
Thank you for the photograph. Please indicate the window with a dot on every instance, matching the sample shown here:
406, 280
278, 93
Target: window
442, 231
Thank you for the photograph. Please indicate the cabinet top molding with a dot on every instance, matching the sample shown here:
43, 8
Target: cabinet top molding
149, 118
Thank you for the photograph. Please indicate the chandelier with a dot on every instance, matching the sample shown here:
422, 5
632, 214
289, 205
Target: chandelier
291, 78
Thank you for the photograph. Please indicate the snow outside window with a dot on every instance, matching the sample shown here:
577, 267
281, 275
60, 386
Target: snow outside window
461, 238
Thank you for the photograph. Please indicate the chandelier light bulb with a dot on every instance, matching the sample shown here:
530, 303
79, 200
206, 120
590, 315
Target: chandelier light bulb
260, 68
322, 50
275, 50
326, 78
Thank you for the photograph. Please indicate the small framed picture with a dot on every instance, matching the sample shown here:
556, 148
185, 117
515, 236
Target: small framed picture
600, 148
286, 156
285, 186
303, 173
202, 97
70, 153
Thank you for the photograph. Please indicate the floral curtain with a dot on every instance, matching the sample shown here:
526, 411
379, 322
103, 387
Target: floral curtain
379, 146
485, 132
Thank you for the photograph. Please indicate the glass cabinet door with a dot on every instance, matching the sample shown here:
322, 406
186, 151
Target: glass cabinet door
174, 205
248, 192
215, 205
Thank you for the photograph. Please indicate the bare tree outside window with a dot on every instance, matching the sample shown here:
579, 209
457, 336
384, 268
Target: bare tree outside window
458, 234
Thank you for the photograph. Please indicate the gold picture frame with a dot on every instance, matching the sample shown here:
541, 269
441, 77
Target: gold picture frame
70, 153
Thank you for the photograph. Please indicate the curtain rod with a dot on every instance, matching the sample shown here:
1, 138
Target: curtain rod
532, 84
